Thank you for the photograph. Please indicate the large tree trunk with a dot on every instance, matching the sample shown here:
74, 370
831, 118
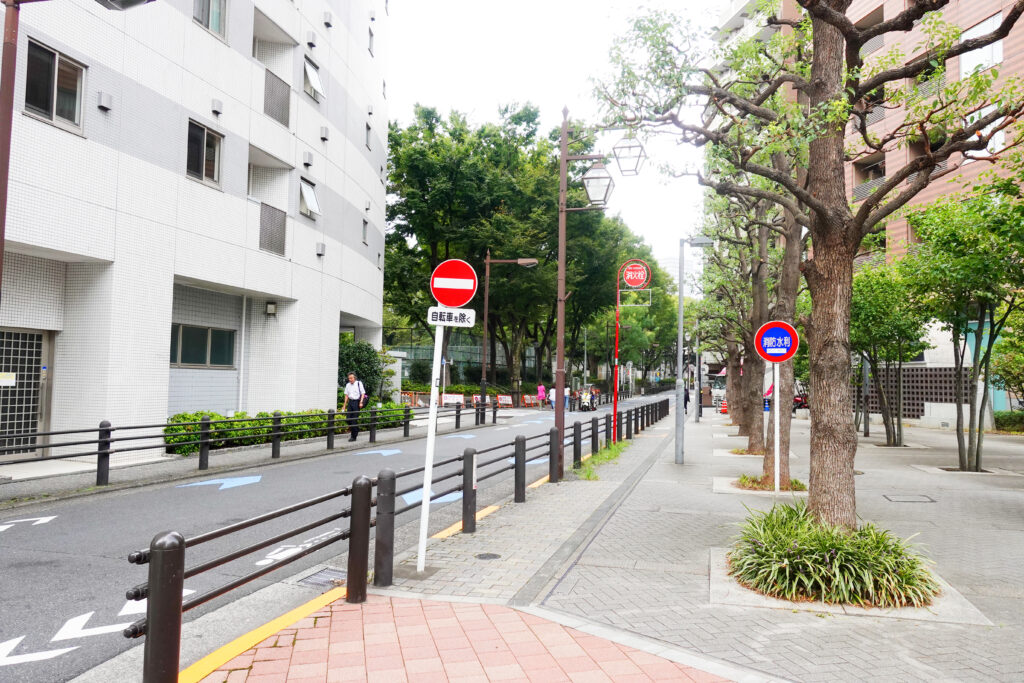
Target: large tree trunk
732, 381
972, 399
958, 396
753, 400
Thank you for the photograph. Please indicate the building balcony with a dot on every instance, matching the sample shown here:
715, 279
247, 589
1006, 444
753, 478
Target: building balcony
863, 190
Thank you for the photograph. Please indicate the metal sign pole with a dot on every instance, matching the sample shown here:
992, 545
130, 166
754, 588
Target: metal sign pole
428, 465
775, 401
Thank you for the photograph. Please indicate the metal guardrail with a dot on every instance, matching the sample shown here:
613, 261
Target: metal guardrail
166, 554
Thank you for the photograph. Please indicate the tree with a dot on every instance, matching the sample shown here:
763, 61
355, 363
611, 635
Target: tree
969, 274
1008, 358
662, 77
361, 358
886, 328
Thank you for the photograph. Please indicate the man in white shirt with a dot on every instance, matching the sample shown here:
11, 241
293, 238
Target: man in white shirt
355, 399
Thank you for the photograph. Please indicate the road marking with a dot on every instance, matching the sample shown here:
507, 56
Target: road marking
461, 436
8, 646
285, 551
139, 606
36, 521
75, 628
213, 661
457, 527
384, 452
501, 429
535, 461
417, 496
230, 483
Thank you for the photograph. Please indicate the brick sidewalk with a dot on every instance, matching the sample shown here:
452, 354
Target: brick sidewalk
404, 639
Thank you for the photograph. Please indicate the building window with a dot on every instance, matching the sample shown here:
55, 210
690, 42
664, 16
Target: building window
366, 228
984, 57
53, 86
311, 81
202, 346
369, 135
370, 42
203, 153
209, 14
308, 204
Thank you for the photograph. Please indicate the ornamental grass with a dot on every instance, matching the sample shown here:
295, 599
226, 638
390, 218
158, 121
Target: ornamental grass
785, 553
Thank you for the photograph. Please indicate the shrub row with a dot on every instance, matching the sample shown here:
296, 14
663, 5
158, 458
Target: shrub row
1010, 420
257, 429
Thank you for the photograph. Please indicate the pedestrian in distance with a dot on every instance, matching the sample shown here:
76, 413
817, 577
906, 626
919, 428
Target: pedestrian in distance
541, 395
355, 399
686, 401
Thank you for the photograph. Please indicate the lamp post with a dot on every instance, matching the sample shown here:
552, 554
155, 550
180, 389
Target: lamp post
8, 73
697, 241
525, 263
598, 184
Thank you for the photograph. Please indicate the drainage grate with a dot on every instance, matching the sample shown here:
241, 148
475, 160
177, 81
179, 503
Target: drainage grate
488, 556
909, 499
325, 577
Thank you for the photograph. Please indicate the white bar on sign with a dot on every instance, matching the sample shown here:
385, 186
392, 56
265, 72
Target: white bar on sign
453, 283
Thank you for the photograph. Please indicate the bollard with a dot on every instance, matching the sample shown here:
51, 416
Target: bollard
629, 424
619, 435
332, 427
636, 420
458, 415
384, 538
469, 491
359, 539
405, 421
103, 455
204, 442
577, 445
520, 470
275, 436
373, 425
607, 429
553, 438
163, 608
494, 413
595, 438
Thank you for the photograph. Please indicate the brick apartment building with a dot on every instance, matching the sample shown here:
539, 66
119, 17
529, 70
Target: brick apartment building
196, 207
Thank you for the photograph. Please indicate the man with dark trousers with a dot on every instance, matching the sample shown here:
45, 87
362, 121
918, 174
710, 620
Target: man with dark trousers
355, 399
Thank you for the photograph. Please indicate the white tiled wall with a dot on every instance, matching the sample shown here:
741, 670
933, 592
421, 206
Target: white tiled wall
33, 293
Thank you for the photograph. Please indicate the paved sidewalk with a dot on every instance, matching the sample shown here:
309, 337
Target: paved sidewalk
405, 639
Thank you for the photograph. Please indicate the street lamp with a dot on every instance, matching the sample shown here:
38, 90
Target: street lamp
525, 263
7, 77
597, 183
696, 241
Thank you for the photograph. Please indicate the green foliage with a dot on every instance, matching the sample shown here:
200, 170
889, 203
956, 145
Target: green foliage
419, 373
785, 553
364, 360
1008, 357
588, 469
1009, 420
249, 431
762, 483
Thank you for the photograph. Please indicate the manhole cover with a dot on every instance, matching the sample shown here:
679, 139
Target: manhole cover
488, 556
909, 499
325, 577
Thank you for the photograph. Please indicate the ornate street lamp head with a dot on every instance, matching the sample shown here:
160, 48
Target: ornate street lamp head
598, 184
630, 155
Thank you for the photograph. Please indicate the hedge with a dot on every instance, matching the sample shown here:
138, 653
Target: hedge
1009, 420
257, 429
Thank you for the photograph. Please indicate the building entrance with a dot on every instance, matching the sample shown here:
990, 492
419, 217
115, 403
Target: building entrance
24, 370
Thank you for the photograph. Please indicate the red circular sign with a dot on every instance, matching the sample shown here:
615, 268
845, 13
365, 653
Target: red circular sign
453, 283
776, 341
636, 275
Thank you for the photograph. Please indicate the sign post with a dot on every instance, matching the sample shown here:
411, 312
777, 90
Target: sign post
636, 275
776, 342
453, 283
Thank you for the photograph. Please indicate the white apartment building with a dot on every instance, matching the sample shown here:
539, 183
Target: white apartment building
196, 207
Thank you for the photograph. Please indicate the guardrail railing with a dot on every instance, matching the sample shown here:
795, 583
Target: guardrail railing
166, 554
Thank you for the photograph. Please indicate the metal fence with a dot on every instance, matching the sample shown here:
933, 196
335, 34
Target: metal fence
166, 554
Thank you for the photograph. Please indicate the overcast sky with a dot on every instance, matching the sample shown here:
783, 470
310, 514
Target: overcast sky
475, 55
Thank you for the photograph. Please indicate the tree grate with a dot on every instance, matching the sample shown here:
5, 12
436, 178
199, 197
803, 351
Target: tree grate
325, 577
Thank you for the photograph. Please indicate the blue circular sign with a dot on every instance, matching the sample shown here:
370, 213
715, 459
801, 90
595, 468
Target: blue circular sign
776, 341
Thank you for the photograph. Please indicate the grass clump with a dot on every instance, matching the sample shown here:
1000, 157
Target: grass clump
588, 470
785, 553
764, 483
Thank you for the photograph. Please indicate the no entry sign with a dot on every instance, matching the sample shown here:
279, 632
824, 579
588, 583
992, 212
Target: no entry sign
776, 341
636, 275
453, 283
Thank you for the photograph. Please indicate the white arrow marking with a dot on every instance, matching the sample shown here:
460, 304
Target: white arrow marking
139, 606
461, 436
36, 521
454, 283
229, 483
8, 646
386, 452
75, 628
501, 429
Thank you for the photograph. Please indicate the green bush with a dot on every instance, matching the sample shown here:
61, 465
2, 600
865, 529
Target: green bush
253, 430
364, 360
419, 371
785, 553
1009, 420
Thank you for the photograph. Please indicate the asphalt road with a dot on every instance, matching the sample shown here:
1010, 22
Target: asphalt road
64, 564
